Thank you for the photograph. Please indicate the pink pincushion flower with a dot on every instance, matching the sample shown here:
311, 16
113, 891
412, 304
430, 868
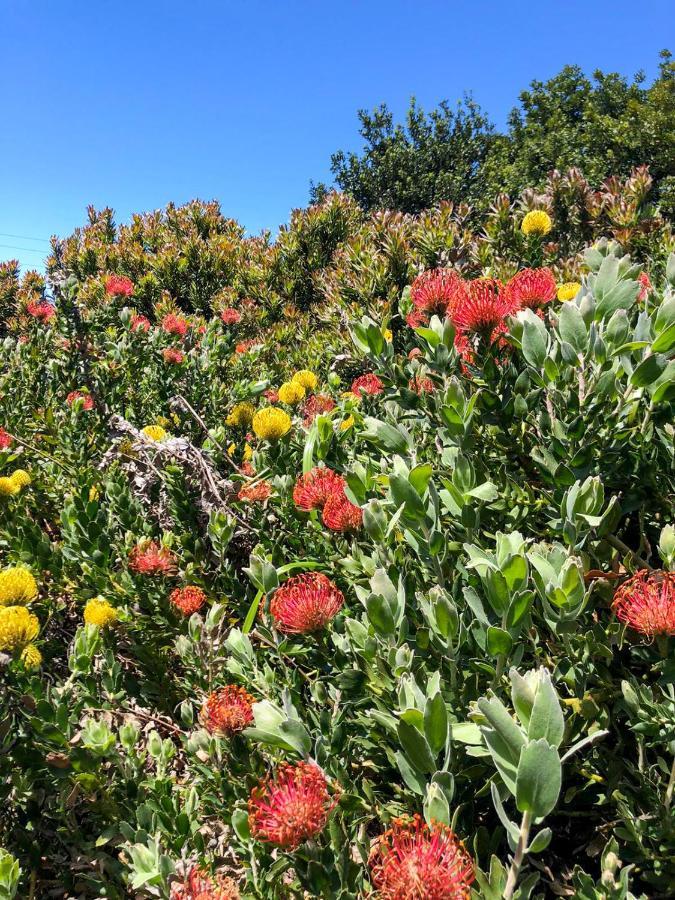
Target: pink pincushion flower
140, 323
646, 602
119, 285
42, 311
367, 384
305, 603
230, 316
531, 289
176, 325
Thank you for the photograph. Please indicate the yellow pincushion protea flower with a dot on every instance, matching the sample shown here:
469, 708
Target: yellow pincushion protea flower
8, 487
568, 290
94, 493
154, 432
241, 415
100, 613
387, 334
21, 477
17, 586
271, 423
347, 423
231, 449
306, 378
536, 222
31, 657
291, 392
18, 627
248, 452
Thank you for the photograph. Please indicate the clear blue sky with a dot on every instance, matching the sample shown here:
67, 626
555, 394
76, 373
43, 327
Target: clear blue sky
138, 102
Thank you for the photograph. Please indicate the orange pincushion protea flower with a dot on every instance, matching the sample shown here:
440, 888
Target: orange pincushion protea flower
483, 307
316, 405
412, 861
290, 807
436, 291
340, 514
230, 316
6, 439
228, 710
173, 324
255, 493
172, 356
119, 285
187, 600
531, 289
646, 602
199, 885
140, 323
149, 558
42, 311
305, 603
367, 384
421, 385
315, 487
87, 399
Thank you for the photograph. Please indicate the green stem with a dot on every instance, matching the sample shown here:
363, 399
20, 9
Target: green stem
519, 856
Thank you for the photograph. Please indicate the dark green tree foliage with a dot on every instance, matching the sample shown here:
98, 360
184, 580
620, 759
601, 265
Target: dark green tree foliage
604, 125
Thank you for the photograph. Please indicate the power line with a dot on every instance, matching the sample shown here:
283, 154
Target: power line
24, 237
24, 249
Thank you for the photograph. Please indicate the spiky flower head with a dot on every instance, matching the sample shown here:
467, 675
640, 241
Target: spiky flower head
140, 323
305, 603
119, 285
435, 292
646, 602
41, 310
568, 290
241, 415
531, 289
367, 384
415, 861
291, 392
482, 309
537, 221
100, 613
17, 587
6, 439
255, 493
315, 406
421, 384
271, 423
18, 627
87, 401
154, 432
187, 600
149, 558
31, 657
172, 356
176, 325
228, 710
199, 885
315, 487
21, 477
291, 806
645, 286
341, 515
307, 379
8, 487
230, 316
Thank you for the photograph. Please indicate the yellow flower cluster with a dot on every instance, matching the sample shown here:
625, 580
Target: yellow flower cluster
17, 586
271, 423
537, 222
12, 484
248, 452
347, 423
568, 290
18, 627
31, 657
154, 432
99, 612
241, 415
291, 392
306, 378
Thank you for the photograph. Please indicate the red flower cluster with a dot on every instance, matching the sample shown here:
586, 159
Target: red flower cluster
645, 286
230, 316
244, 347
315, 487
172, 356
199, 885
531, 289
187, 600
140, 323
482, 308
119, 285
367, 384
246, 468
255, 493
87, 399
149, 558
340, 514
5, 439
421, 385
173, 324
646, 602
228, 710
42, 311
435, 292
290, 807
412, 861
305, 603
271, 395
316, 405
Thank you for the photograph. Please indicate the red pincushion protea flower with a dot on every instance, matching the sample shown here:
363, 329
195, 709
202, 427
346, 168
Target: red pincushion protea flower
421, 385
5, 439
119, 285
646, 602
228, 710
316, 405
315, 487
172, 356
531, 289
173, 324
305, 603
340, 514
645, 286
412, 861
436, 291
187, 600
230, 316
482, 309
246, 468
367, 384
87, 399
290, 807
255, 493
140, 323
417, 318
148, 558
199, 885
271, 395
42, 311
414, 353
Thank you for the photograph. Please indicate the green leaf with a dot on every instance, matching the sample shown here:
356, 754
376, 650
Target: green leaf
572, 327
665, 341
538, 779
546, 718
385, 435
420, 477
404, 493
436, 723
412, 778
648, 370
534, 343
380, 615
499, 642
416, 748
